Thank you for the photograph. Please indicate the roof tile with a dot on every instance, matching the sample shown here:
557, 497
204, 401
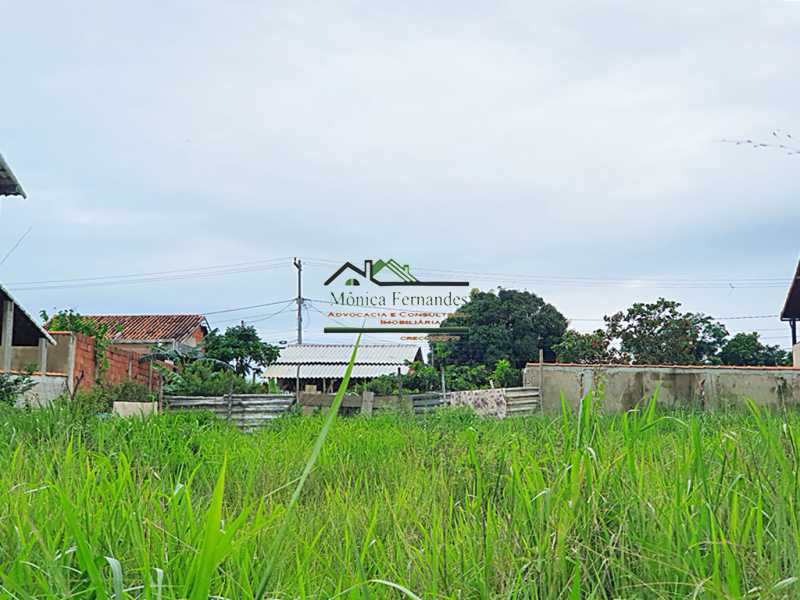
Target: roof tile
150, 327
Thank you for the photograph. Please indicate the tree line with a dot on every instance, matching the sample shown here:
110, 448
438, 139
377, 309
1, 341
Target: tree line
514, 325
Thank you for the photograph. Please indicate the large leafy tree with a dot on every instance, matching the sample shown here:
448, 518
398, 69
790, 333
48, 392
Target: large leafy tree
241, 347
747, 349
508, 325
659, 333
587, 348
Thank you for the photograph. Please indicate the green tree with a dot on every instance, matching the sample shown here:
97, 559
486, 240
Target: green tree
586, 348
747, 349
511, 325
659, 333
241, 347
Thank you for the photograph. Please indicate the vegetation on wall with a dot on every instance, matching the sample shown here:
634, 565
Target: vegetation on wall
70, 320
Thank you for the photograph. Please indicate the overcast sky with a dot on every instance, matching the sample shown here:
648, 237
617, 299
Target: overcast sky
575, 140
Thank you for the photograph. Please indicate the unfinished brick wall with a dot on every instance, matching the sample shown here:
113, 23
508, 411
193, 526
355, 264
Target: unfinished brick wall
122, 365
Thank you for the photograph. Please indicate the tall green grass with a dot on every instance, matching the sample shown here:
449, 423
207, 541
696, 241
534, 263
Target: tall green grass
646, 504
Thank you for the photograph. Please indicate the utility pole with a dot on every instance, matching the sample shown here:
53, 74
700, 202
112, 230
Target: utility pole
299, 266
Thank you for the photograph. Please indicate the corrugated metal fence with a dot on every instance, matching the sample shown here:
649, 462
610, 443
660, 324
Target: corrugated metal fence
248, 411
254, 410
522, 401
424, 403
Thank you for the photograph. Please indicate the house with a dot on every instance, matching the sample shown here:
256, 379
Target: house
139, 333
9, 186
791, 313
323, 365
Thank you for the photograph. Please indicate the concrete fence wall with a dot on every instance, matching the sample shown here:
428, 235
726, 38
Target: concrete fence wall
680, 387
796, 356
498, 403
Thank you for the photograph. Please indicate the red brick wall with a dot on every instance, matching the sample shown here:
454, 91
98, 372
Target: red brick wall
122, 365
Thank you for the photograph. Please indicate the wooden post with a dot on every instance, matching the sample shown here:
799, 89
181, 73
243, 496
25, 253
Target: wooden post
43, 356
541, 378
367, 402
400, 384
8, 334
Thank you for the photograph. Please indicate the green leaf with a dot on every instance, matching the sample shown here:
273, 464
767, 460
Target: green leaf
334, 410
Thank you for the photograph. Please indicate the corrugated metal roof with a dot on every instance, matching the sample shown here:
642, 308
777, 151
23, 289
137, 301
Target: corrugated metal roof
5, 294
377, 354
330, 371
319, 361
150, 327
9, 186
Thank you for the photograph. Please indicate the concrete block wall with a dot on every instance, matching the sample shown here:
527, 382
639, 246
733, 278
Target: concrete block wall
47, 389
680, 387
122, 365
23, 357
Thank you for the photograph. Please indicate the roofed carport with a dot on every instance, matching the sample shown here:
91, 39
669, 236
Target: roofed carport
18, 328
791, 308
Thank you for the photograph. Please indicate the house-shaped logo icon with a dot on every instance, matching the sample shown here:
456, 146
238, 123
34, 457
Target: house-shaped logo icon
385, 273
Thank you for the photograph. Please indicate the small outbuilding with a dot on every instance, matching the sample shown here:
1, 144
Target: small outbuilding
23, 342
323, 365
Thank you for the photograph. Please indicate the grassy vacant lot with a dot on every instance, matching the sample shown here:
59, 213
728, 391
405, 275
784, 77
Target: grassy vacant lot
645, 505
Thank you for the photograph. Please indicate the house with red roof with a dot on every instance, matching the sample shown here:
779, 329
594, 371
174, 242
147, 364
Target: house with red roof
139, 333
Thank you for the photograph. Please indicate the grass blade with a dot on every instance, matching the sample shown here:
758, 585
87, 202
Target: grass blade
334, 410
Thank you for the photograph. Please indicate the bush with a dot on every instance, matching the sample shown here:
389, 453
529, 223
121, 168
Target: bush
128, 391
13, 386
204, 379
425, 378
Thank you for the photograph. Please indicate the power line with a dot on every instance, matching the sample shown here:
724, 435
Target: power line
239, 308
256, 318
585, 281
15, 246
156, 276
